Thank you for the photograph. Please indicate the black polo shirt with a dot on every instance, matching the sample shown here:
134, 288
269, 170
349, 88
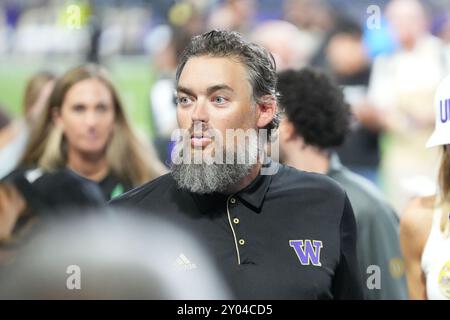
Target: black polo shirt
291, 235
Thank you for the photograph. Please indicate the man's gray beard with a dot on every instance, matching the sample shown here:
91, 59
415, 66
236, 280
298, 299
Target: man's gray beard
208, 178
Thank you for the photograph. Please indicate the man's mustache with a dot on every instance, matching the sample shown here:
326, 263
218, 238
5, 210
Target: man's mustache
202, 129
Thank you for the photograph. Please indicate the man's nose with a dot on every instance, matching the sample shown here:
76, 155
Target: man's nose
200, 111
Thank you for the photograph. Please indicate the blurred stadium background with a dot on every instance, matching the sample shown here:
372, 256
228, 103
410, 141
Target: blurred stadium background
133, 39
46, 34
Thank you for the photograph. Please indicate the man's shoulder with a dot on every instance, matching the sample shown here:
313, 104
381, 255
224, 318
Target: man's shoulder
154, 188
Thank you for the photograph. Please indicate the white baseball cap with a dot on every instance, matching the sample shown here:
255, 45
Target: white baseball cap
441, 134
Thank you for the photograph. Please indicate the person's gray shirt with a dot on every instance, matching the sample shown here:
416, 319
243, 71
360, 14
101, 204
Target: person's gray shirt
378, 235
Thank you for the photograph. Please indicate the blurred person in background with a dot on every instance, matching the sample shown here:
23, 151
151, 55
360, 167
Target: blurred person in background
425, 224
314, 19
347, 61
14, 138
167, 43
235, 15
283, 40
12, 206
83, 128
111, 254
4, 118
30, 196
5, 122
401, 88
441, 29
316, 119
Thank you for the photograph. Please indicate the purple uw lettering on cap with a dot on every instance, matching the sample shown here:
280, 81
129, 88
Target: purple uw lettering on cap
441, 134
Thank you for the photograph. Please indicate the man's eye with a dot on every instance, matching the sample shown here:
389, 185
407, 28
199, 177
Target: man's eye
220, 100
183, 100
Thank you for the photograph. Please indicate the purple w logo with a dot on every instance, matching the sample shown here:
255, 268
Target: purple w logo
308, 252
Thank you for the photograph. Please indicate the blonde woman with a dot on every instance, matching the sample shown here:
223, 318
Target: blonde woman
83, 128
425, 224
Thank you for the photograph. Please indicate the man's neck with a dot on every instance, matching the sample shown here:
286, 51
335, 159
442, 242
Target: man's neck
309, 159
93, 167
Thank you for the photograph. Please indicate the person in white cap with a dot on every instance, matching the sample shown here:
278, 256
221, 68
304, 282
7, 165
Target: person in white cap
425, 224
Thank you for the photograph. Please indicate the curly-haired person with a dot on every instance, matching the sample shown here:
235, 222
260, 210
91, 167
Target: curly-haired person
316, 118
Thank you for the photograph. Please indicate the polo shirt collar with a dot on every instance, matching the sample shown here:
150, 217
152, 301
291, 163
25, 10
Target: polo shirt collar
256, 191
252, 195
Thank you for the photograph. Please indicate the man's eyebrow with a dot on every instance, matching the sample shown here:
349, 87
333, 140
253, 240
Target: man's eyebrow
218, 87
185, 90
209, 91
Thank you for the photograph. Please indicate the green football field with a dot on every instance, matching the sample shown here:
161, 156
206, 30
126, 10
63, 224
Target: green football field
133, 77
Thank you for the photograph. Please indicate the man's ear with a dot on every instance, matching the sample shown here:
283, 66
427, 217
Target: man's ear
267, 109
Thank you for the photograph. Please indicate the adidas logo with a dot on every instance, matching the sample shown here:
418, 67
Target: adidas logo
183, 263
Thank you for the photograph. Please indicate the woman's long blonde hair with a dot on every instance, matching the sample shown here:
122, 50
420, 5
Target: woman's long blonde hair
128, 159
444, 191
33, 90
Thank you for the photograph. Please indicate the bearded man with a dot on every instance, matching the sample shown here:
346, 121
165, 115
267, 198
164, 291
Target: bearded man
274, 232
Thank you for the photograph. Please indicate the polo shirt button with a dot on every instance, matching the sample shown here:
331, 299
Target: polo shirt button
241, 242
236, 220
233, 200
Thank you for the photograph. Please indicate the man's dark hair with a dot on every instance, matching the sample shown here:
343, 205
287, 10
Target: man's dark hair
315, 105
259, 62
